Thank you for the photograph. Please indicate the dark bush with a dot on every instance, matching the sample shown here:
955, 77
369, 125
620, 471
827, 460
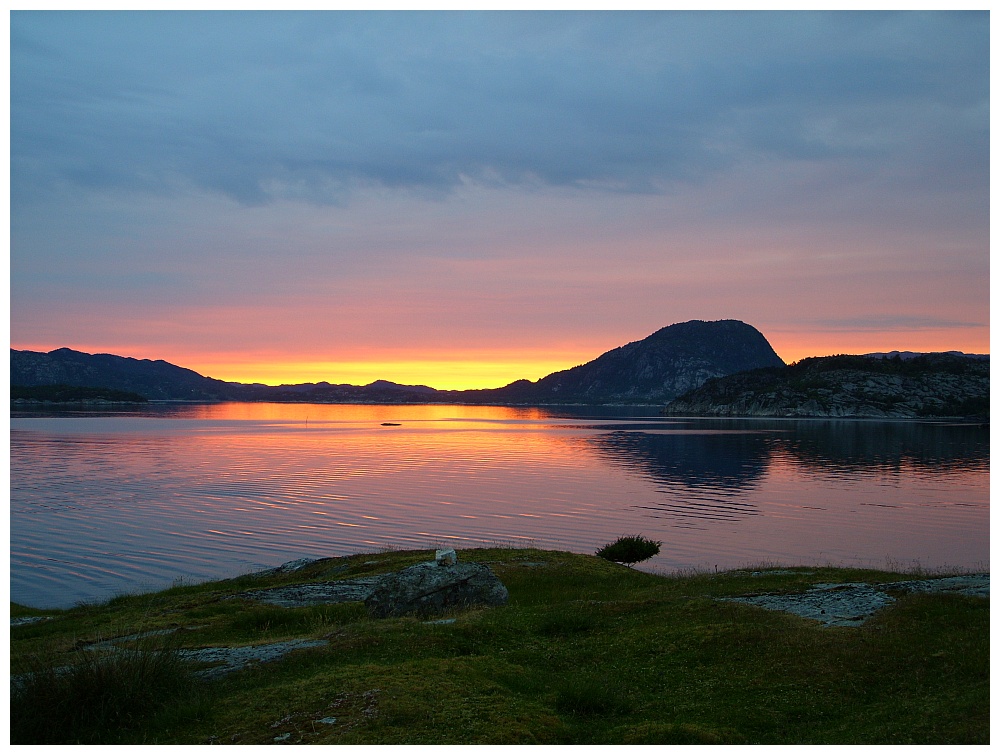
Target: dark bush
630, 549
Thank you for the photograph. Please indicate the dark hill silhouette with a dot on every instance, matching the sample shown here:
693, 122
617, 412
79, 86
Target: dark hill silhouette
152, 379
845, 385
655, 370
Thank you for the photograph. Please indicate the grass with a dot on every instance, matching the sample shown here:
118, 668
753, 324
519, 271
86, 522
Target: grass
586, 652
100, 695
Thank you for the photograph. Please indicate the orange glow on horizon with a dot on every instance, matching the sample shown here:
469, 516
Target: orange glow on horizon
792, 347
459, 370
494, 368
443, 374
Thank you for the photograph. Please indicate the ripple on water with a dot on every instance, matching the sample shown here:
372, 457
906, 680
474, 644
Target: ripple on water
108, 504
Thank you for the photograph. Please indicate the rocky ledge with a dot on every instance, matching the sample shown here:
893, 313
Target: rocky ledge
426, 588
315, 594
443, 585
850, 604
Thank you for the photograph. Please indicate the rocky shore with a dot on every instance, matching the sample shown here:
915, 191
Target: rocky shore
411, 647
933, 385
845, 604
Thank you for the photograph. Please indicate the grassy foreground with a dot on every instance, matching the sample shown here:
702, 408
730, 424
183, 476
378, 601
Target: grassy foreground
587, 652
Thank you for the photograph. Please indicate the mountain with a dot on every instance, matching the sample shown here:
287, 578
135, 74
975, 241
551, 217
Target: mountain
654, 370
163, 381
378, 392
926, 385
71, 394
660, 367
152, 379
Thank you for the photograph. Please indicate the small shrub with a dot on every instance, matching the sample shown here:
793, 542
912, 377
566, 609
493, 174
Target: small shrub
630, 549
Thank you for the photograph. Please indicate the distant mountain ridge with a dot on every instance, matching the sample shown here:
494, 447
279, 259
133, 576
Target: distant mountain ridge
162, 381
654, 370
154, 379
912, 354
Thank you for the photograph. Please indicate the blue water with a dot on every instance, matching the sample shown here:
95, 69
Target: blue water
131, 501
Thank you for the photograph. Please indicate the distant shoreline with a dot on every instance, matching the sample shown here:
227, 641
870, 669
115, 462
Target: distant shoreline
28, 404
76, 402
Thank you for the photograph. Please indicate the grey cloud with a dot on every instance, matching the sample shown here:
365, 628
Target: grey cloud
893, 323
260, 106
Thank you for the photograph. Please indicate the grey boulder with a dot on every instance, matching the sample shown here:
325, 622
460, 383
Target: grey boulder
434, 587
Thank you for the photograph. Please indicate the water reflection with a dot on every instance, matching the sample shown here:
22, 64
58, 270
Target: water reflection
861, 446
698, 461
101, 503
706, 468
734, 453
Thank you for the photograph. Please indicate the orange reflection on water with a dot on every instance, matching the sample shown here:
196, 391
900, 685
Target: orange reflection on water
213, 490
357, 413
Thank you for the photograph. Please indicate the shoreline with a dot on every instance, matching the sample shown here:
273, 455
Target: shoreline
152, 403
916, 574
584, 651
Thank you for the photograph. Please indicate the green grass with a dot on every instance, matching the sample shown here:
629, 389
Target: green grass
586, 652
98, 695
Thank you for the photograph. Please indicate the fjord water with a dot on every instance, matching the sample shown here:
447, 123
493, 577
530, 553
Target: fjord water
130, 501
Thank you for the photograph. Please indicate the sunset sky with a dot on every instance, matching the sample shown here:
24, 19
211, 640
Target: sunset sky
464, 199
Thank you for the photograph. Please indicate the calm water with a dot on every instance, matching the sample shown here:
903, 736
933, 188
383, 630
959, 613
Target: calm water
134, 501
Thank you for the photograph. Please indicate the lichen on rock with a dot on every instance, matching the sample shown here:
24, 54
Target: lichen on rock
434, 587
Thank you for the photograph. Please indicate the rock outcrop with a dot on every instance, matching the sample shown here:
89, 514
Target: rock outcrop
435, 587
850, 604
315, 593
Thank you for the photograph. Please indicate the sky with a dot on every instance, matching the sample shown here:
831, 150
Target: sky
463, 199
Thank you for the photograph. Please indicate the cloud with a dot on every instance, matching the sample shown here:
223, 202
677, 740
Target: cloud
315, 107
894, 324
324, 183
